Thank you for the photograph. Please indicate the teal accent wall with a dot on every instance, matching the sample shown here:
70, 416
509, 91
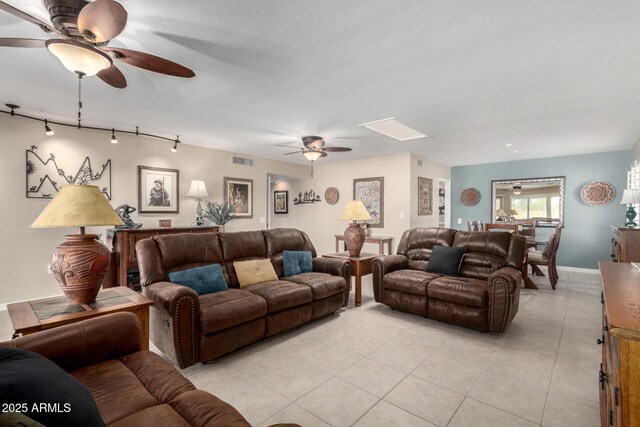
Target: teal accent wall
586, 237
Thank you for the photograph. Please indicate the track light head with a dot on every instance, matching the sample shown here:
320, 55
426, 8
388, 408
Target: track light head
47, 129
175, 145
114, 140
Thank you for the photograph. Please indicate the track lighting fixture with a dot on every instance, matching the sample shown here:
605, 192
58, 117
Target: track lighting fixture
114, 140
47, 129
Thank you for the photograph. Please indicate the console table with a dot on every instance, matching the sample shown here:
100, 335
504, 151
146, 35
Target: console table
380, 240
32, 316
123, 270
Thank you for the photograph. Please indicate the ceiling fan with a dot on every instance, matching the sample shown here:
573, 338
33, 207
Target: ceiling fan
314, 148
83, 30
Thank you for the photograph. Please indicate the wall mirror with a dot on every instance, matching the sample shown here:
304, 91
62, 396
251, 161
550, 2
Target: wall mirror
532, 199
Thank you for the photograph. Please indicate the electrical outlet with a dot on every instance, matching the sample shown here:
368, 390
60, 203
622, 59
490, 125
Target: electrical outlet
49, 271
459, 220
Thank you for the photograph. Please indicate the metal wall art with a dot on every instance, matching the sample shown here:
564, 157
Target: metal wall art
307, 197
597, 193
470, 197
43, 176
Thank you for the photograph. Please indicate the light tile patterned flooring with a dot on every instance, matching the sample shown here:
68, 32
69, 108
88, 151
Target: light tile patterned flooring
371, 366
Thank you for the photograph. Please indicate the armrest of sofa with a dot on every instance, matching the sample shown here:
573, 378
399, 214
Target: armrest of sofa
383, 265
175, 321
504, 294
86, 342
335, 267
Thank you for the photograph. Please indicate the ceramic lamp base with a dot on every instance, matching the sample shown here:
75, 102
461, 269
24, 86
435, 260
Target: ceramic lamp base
80, 266
354, 237
631, 214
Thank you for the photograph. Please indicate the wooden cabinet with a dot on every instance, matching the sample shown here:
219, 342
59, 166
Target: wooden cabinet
620, 368
124, 263
625, 244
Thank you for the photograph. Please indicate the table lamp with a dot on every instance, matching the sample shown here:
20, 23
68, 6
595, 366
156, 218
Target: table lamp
512, 213
198, 191
630, 198
80, 264
354, 235
500, 215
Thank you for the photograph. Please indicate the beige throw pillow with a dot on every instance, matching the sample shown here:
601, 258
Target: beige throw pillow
254, 271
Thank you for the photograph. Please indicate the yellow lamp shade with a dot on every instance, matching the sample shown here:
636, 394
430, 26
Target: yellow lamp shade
355, 211
500, 213
513, 212
77, 206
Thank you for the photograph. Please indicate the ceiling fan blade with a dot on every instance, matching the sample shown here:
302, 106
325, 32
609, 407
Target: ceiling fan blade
324, 154
23, 15
337, 149
113, 76
294, 152
102, 20
15, 42
150, 62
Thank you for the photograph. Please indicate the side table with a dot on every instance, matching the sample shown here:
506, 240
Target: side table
360, 266
32, 316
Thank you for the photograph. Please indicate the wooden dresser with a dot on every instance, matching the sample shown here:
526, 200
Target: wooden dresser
620, 367
124, 263
625, 244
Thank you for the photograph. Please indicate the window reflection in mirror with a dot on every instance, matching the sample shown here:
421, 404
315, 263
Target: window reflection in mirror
540, 200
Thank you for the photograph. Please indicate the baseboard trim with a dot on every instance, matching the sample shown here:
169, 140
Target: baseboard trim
579, 269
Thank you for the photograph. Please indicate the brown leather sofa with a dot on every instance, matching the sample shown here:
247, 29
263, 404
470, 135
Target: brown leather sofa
485, 294
189, 328
131, 387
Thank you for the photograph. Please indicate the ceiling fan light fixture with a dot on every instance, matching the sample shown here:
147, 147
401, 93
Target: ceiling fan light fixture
312, 156
517, 189
78, 57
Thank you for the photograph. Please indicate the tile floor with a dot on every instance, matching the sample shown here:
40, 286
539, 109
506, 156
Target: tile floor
371, 366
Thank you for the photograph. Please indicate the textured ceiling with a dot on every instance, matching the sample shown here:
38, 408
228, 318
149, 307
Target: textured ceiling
552, 78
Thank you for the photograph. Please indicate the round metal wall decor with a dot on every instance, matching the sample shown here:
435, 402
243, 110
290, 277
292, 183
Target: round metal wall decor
470, 197
331, 195
597, 193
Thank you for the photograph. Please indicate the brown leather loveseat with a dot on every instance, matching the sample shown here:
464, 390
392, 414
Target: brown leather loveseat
485, 294
131, 387
190, 328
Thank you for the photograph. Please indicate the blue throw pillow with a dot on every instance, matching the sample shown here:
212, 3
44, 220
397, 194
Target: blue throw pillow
204, 280
296, 262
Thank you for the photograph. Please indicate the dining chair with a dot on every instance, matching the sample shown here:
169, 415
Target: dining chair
547, 257
475, 225
496, 226
528, 229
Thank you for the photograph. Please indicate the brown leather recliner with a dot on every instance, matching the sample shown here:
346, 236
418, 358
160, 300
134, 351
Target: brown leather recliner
189, 328
131, 387
485, 294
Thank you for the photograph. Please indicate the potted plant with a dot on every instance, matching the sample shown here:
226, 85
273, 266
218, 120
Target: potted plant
218, 213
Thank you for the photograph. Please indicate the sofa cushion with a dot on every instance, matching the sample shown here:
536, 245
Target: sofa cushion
408, 281
322, 285
297, 262
30, 379
222, 310
462, 290
282, 294
254, 271
200, 408
161, 415
117, 391
204, 280
445, 260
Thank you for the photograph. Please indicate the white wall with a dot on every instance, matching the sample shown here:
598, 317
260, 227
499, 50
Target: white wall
435, 171
25, 252
320, 220
635, 152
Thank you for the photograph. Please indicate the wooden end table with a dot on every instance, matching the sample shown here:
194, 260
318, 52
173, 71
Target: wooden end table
32, 316
360, 266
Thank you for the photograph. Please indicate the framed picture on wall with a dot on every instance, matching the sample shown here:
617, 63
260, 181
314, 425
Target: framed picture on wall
239, 193
158, 190
371, 192
425, 196
281, 202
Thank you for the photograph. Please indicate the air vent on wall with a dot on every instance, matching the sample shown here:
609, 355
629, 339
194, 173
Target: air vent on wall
242, 161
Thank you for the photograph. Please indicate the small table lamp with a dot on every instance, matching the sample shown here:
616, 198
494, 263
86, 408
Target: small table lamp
198, 191
630, 197
354, 235
80, 264
512, 213
500, 215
